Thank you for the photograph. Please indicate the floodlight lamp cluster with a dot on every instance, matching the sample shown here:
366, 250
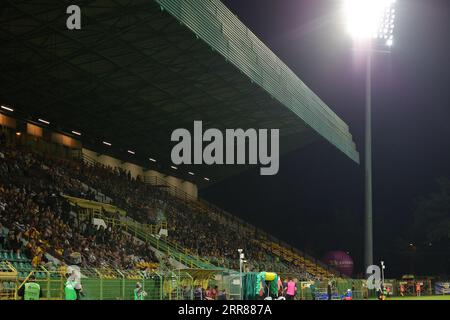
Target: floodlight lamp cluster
374, 19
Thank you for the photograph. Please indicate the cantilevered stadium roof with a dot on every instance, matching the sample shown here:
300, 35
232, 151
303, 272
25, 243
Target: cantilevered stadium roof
139, 69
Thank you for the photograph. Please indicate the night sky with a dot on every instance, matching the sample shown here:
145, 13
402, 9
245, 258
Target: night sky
411, 135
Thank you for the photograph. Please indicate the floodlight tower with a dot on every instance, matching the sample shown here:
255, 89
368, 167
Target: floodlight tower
371, 24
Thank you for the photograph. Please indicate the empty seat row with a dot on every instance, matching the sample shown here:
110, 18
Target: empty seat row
22, 266
11, 256
8, 285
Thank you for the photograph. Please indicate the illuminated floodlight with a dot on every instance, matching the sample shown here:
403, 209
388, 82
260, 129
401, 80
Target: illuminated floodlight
76, 133
152, 160
7, 109
371, 19
107, 143
43, 121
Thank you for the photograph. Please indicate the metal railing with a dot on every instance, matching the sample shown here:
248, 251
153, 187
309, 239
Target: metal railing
8, 281
106, 284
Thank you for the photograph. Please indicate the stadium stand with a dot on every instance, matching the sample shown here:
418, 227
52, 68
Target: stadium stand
58, 207
63, 191
49, 206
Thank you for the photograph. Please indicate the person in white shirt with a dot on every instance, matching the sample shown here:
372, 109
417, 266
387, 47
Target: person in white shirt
75, 277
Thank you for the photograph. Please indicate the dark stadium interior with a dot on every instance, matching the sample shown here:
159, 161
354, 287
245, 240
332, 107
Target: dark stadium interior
114, 81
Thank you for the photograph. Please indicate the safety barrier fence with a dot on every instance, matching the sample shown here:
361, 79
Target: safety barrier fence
8, 281
102, 284
113, 284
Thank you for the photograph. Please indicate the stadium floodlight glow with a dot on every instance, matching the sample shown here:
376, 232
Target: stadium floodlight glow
76, 133
43, 121
107, 143
366, 19
7, 109
131, 152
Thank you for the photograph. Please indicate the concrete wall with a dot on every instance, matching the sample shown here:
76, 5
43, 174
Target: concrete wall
34, 130
7, 121
66, 140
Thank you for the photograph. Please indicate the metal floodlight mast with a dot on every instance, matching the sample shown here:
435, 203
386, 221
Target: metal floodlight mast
371, 23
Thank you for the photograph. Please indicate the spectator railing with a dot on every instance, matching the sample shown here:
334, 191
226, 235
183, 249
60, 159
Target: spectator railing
8, 280
112, 284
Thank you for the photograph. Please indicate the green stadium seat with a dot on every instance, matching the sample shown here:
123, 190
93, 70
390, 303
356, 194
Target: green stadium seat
12, 285
17, 257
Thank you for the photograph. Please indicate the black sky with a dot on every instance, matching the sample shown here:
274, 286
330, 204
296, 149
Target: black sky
411, 131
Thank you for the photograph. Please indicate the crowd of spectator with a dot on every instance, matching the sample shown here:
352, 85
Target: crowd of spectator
31, 207
39, 220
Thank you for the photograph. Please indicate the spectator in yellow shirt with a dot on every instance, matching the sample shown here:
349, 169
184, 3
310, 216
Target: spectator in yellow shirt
37, 260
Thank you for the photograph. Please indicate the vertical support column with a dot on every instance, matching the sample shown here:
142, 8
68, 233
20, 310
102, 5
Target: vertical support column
368, 239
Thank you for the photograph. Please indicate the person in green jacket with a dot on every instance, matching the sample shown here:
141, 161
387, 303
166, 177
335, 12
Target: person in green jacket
69, 290
312, 287
30, 290
139, 293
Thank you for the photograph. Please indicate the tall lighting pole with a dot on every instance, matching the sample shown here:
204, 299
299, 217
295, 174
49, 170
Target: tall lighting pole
371, 24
